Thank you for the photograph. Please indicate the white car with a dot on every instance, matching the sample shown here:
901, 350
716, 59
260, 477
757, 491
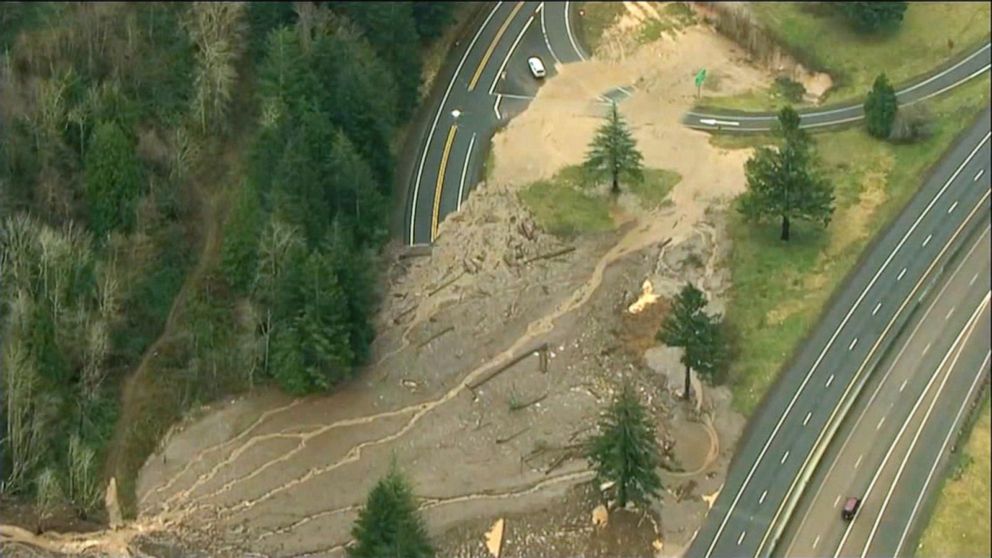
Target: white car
536, 67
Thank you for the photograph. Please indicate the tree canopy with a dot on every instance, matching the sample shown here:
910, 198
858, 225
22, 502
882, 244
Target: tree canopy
690, 327
874, 16
625, 450
881, 107
613, 152
389, 525
113, 179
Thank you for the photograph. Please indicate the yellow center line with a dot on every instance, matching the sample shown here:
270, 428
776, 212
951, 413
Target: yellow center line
440, 180
492, 46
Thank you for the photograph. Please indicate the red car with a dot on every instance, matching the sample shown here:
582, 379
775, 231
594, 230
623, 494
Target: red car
851, 506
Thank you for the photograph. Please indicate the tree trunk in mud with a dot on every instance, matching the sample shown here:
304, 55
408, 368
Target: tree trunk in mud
785, 228
616, 186
688, 383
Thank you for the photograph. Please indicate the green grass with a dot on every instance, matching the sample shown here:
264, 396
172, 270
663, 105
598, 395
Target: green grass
779, 289
675, 17
919, 45
562, 207
959, 525
598, 17
653, 190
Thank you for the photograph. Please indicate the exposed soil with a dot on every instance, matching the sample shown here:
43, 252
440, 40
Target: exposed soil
481, 440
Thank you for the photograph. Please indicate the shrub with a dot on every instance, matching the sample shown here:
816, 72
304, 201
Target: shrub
911, 125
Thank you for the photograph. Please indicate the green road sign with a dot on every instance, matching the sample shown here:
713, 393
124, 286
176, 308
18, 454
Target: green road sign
700, 77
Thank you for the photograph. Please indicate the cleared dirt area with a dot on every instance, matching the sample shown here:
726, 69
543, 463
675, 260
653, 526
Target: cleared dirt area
495, 355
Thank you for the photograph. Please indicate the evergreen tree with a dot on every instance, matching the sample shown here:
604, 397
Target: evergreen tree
625, 451
881, 107
688, 326
323, 323
786, 184
389, 526
431, 18
239, 253
356, 197
354, 266
613, 153
874, 16
788, 125
113, 180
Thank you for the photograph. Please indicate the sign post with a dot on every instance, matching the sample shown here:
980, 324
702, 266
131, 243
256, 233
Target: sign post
700, 78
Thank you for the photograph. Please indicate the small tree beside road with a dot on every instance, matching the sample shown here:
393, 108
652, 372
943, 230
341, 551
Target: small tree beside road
784, 183
881, 107
613, 153
689, 326
390, 525
625, 451
874, 16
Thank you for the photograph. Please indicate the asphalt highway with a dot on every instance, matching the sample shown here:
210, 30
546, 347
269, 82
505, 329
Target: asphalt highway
889, 449
787, 437
484, 82
971, 66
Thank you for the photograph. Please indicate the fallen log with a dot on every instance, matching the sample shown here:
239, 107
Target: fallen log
435, 336
554, 254
496, 372
440, 287
512, 436
521, 406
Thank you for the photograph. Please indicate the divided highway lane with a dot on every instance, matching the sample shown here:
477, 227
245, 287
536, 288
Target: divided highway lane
899, 431
486, 72
973, 65
803, 407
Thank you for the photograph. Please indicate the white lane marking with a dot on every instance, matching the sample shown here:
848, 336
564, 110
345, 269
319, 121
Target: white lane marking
925, 349
858, 462
461, 184
973, 279
948, 316
979, 175
830, 380
837, 501
496, 107
833, 337
875, 311
966, 331
888, 372
816, 541
805, 420
853, 343
880, 423
568, 29
512, 96
715, 122
903, 385
943, 448
741, 538
506, 59
762, 499
949, 87
784, 457
544, 31
907, 90
440, 109
901, 273
953, 205
927, 239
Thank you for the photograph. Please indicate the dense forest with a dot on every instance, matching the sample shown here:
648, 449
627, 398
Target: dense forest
128, 132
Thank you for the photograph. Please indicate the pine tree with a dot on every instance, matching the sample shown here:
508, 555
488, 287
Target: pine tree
785, 183
390, 526
239, 253
354, 193
788, 125
881, 107
873, 16
625, 451
613, 153
688, 326
113, 179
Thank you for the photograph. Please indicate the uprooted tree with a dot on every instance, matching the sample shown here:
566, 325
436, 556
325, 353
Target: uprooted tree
786, 183
689, 326
625, 451
613, 153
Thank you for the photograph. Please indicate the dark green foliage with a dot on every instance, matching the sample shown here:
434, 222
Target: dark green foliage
356, 195
432, 17
613, 154
790, 90
881, 107
355, 268
389, 526
391, 29
699, 334
785, 183
113, 180
239, 253
874, 16
625, 450
262, 18
788, 125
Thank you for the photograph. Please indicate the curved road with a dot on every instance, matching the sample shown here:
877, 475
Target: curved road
894, 441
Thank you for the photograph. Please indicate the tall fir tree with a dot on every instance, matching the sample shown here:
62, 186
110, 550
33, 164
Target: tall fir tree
113, 179
688, 326
625, 451
389, 526
613, 153
881, 107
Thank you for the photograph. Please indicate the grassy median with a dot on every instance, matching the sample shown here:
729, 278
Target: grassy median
780, 289
931, 34
959, 525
